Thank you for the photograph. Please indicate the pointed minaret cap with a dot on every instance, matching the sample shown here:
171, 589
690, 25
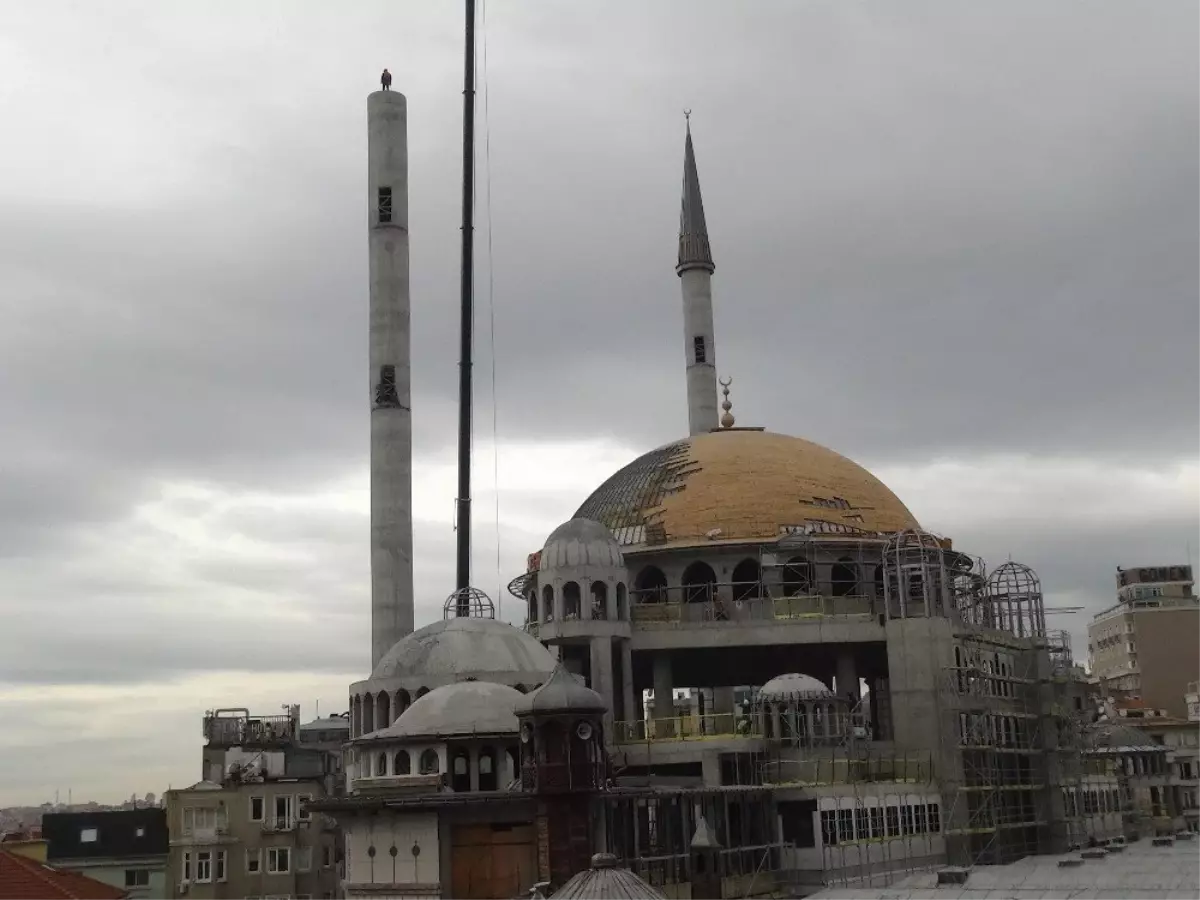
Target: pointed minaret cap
703, 839
694, 251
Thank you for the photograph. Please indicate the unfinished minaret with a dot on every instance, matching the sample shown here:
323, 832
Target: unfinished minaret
695, 270
391, 416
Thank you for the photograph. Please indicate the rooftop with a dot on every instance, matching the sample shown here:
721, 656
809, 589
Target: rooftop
1140, 870
22, 878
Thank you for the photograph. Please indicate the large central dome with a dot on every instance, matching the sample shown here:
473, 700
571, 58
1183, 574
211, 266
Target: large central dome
752, 485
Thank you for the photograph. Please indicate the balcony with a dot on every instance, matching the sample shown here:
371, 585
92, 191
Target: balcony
244, 730
278, 826
708, 604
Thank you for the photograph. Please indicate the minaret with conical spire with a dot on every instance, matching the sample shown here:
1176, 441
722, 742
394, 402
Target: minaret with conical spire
695, 270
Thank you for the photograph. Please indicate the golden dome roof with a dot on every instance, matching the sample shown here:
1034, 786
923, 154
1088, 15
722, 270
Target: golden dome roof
742, 485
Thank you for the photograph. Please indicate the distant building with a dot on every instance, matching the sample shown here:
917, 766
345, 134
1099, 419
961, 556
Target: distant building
1145, 645
23, 877
124, 848
245, 830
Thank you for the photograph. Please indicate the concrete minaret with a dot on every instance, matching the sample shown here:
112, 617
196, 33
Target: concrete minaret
391, 416
695, 270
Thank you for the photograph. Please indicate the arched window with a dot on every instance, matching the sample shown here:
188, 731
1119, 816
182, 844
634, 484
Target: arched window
532, 614
355, 716
403, 763
460, 772
699, 581
572, 608
383, 709
599, 591
430, 764
547, 603
368, 713
403, 701
650, 586
421, 692
488, 779
797, 577
381, 764
843, 578
745, 580
622, 602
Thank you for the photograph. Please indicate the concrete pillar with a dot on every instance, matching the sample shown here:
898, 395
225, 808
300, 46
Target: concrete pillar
389, 372
723, 702
630, 708
602, 681
473, 766
664, 704
847, 676
710, 768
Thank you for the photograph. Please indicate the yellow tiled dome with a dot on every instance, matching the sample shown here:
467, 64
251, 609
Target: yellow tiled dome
739, 485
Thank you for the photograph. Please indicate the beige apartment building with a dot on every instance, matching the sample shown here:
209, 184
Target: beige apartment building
246, 829
1147, 645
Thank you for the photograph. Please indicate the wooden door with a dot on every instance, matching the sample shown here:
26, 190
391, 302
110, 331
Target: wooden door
493, 861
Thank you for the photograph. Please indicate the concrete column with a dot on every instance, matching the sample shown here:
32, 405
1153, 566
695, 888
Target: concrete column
847, 676
602, 681
723, 701
559, 606
389, 372
664, 704
585, 600
630, 708
710, 768
473, 766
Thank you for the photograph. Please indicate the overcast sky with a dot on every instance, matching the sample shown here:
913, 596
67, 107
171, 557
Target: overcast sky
956, 242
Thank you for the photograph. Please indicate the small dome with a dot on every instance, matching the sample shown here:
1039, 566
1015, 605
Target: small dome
466, 647
581, 542
604, 880
457, 710
562, 693
1109, 735
783, 687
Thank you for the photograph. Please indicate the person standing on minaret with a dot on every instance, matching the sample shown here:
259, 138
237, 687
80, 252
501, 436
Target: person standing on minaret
385, 80
695, 270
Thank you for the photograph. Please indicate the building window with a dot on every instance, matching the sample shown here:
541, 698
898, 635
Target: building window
88, 835
253, 861
279, 860
935, 818
430, 764
892, 821
326, 856
137, 878
187, 866
698, 346
303, 859
385, 205
141, 832
204, 867
283, 811
829, 835
302, 801
257, 809
201, 818
221, 868
845, 823
403, 763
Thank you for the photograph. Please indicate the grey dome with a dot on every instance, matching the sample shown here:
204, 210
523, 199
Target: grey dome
581, 542
461, 648
604, 881
784, 687
562, 693
1116, 736
457, 710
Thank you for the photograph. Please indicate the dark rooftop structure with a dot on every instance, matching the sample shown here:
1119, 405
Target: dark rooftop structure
105, 834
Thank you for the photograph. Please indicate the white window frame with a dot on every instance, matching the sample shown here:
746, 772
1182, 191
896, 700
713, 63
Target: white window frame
204, 872
302, 814
290, 818
220, 866
304, 859
207, 816
187, 865
254, 856
273, 867
89, 835
262, 816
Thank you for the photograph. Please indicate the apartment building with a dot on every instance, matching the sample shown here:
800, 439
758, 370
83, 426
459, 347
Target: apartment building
245, 830
126, 848
1146, 644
